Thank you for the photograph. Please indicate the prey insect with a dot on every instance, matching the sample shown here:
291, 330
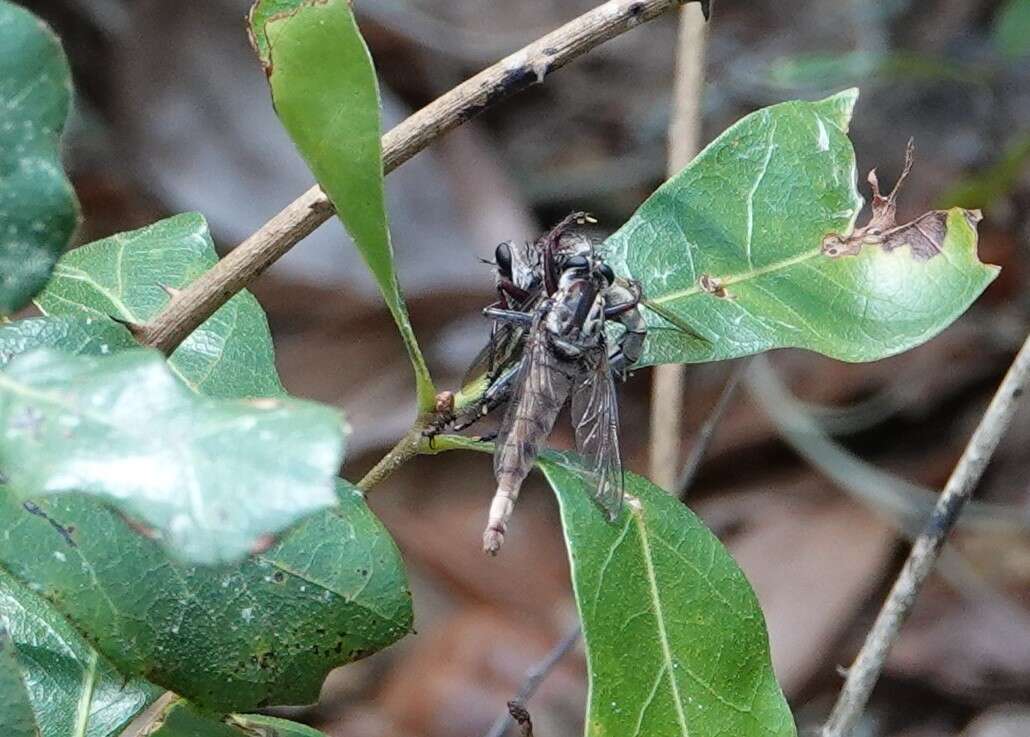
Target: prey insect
549, 344
566, 355
525, 274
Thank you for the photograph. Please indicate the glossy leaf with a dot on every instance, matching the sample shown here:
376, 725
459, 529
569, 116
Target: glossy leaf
325, 92
266, 631
38, 209
212, 476
76, 334
127, 277
182, 719
732, 246
16, 716
264, 726
70, 689
676, 642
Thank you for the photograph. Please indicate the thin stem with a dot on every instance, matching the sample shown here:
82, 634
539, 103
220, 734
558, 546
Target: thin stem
865, 671
198, 301
535, 676
706, 432
684, 137
405, 449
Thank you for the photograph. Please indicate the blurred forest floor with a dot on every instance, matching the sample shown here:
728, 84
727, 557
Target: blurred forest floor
839, 460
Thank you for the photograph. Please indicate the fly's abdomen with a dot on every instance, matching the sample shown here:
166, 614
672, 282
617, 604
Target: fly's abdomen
531, 417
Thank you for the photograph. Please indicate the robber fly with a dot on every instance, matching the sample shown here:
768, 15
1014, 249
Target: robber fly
525, 274
566, 354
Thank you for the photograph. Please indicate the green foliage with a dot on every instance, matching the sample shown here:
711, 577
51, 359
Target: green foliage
272, 727
676, 642
128, 277
993, 184
1012, 29
182, 719
265, 631
212, 476
62, 684
825, 71
16, 717
38, 208
325, 91
732, 246
207, 451
77, 334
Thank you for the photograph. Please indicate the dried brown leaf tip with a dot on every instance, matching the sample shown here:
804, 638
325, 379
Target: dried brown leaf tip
924, 236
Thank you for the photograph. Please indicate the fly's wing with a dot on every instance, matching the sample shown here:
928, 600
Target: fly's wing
538, 395
595, 416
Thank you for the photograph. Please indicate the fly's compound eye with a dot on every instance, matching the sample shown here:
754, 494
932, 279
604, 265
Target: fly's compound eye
607, 273
503, 257
576, 262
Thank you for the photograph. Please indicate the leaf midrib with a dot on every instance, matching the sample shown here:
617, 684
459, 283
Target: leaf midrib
726, 281
656, 603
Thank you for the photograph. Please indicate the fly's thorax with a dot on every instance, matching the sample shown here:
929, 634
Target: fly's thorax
575, 320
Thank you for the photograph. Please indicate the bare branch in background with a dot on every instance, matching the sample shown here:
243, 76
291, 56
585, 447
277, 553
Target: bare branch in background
684, 139
534, 677
706, 432
865, 671
524, 68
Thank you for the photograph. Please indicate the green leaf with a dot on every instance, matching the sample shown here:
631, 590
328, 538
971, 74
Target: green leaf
182, 719
732, 246
69, 690
38, 208
823, 71
1011, 33
16, 717
266, 631
76, 334
127, 277
213, 476
325, 92
262, 726
676, 642
991, 185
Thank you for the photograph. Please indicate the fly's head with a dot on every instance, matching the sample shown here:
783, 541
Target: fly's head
520, 264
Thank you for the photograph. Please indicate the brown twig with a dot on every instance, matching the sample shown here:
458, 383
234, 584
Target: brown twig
684, 137
534, 677
706, 432
198, 301
865, 671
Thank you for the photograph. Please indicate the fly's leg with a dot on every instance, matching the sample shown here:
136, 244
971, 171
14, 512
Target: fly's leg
496, 394
522, 319
623, 306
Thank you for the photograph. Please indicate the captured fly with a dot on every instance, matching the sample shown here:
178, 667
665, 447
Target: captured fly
566, 355
549, 343
525, 274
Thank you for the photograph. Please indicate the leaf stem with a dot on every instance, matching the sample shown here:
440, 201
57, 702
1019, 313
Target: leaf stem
865, 671
405, 449
528, 66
